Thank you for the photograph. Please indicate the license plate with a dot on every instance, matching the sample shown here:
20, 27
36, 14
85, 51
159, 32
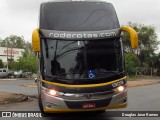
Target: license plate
88, 105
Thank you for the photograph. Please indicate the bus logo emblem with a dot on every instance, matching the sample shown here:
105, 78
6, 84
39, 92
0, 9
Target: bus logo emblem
88, 96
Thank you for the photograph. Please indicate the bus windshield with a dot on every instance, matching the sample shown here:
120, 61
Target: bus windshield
92, 59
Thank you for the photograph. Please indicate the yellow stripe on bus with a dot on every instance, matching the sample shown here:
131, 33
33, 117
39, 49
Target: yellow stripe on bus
83, 86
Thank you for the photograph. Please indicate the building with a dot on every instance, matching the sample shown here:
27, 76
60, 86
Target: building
10, 53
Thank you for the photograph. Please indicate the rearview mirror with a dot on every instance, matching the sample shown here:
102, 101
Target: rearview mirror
133, 36
36, 40
35, 80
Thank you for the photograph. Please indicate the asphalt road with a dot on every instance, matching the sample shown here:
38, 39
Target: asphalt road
144, 98
16, 86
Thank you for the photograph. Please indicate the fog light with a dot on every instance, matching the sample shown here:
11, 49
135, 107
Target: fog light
120, 88
52, 105
53, 92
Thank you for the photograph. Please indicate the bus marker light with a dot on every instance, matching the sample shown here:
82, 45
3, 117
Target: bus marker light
120, 88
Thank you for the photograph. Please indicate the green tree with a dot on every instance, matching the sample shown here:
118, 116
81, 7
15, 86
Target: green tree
28, 49
13, 41
1, 64
14, 66
131, 63
148, 42
27, 63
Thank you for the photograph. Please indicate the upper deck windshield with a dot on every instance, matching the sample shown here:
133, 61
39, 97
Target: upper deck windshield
78, 16
79, 61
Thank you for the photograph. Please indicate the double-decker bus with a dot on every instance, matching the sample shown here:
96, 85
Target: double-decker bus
81, 60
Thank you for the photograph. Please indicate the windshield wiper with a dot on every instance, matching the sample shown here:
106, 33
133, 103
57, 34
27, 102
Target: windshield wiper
46, 46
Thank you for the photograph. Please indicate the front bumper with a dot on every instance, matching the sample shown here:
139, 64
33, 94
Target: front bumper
71, 104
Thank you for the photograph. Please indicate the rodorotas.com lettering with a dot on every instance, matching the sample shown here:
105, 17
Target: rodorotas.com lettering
82, 35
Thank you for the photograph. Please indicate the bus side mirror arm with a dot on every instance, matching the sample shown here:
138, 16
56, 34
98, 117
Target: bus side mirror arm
133, 36
36, 40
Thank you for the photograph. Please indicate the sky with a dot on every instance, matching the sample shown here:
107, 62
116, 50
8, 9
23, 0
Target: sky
20, 17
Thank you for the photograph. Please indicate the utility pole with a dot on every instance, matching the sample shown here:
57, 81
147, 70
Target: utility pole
7, 54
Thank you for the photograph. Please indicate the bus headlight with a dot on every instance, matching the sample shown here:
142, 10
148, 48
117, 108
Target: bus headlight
53, 92
120, 88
